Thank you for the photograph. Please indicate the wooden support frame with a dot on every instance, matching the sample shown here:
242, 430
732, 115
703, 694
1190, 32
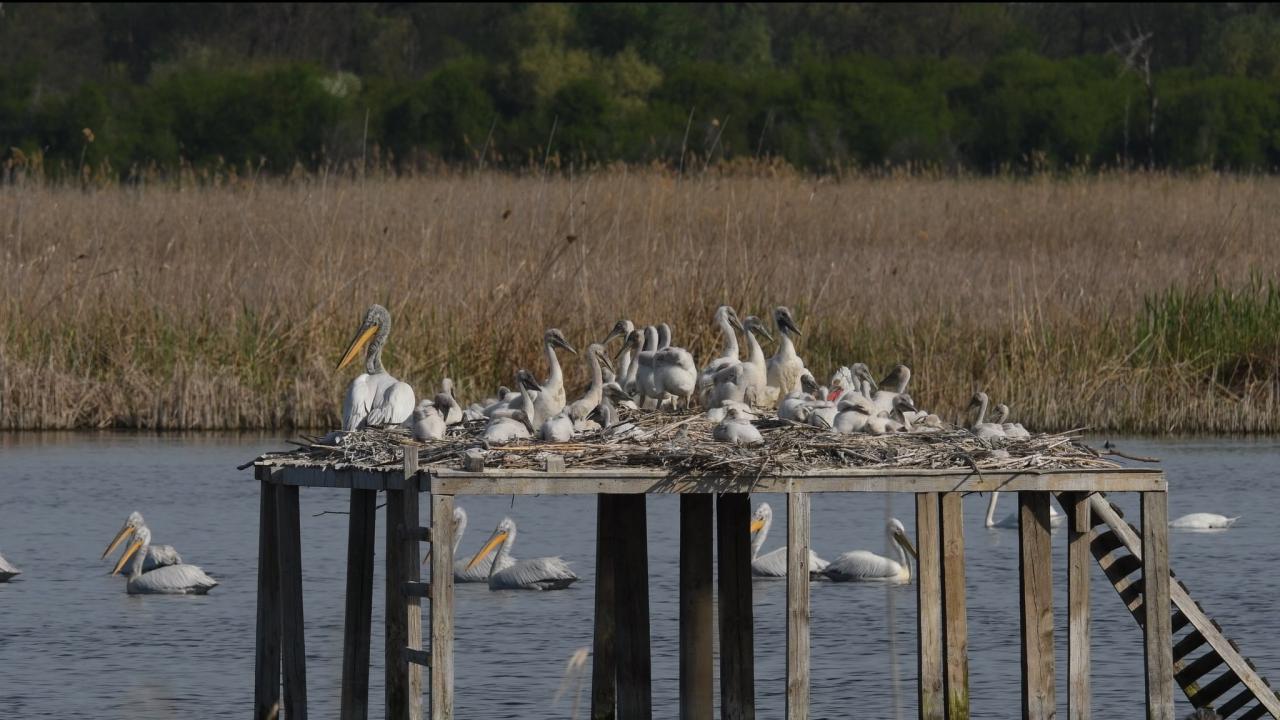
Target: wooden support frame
737, 658
697, 600
404, 613
441, 654
798, 540
358, 619
1035, 558
1079, 562
266, 685
631, 580
929, 631
604, 658
1157, 628
955, 621
293, 655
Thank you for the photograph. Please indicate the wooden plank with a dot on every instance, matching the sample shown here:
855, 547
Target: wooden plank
798, 528
632, 597
418, 657
929, 631
358, 620
1035, 559
1157, 630
266, 684
441, 671
955, 621
604, 667
293, 656
1079, 560
403, 619
737, 659
696, 607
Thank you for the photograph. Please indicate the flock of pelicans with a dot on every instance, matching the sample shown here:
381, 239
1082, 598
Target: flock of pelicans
648, 371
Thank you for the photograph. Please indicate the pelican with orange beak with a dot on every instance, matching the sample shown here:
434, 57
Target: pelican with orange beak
544, 573
374, 398
157, 556
168, 580
774, 564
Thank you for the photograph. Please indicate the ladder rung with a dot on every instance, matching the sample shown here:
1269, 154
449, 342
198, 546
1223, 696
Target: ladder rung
1180, 620
1196, 670
1105, 544
419, 657
1121, 566
1216, 689
1130, 592
1187, 645
1233, 705
1257, 712
421, 534
413, 588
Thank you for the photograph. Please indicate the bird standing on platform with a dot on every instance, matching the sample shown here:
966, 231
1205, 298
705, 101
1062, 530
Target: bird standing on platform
550, 399
865, 566
167, 580
156, 555
544, 573
374, 398
785, 368
773, 564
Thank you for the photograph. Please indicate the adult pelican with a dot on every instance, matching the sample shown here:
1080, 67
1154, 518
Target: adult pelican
544, 573
167, 580
1203, 521
156, 556
374, 398
785, 368
864, 566
461, 572
7, 570
1010, 521
773, 564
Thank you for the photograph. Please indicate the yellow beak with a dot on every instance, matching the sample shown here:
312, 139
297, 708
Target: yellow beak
125, 532
757, 526
128, 554
362, 338
906, 543
494, 542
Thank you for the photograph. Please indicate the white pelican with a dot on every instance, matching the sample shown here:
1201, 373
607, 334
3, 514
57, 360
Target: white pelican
7, 570
544, 573
755, 364
156, 555
454, 414
551, 398
621, 329
1203, 521
773, 564
726, 318
894, 384
729, 384
599, 361
427, 422
982, 429
461, 573
167, 580
736, 428
1013, 430
1010, 521
374, 398
645, 366
785, 368
865, 566
629, 355
511, 423
857, 414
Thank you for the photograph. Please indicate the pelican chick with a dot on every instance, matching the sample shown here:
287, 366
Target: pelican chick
736, 428
157, 555
374, 398
550, 399
427, 422
544, 573
773, 564
453, 415
794, 406
509, 424
757, 376
865, 566
984, 430
893, 385
785, 368
726, 319
167, 580
1013, 430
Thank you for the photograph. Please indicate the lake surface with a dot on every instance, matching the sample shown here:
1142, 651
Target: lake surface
74, 644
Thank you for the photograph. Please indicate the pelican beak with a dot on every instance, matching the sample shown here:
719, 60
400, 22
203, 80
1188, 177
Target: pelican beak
756, 526
489, 547
604, 360
524, 418
760, 328
125, 532
617, 331
734, 321
133, 548
559, 341
790, 325
358, 343
906, 543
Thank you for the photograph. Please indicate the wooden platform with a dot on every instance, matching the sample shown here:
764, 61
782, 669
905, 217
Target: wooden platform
621, 669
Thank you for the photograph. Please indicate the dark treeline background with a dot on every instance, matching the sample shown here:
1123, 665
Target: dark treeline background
126, 89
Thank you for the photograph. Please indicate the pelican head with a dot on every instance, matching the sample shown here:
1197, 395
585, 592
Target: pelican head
1001, 412
555, 338
526, 381
809, 384
786, 323
443, 401
898, 534
505, 532
634, 341
728, 314
621, 329
979, 400
446, 386
142, 538
371, 334
754, 324
597, 351
862, 372
130, 527
761, 518
897, 378
903, 403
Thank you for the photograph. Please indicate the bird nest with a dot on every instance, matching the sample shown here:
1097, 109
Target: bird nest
682, 444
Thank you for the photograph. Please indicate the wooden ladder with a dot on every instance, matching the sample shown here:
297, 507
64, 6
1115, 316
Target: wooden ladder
1200, 649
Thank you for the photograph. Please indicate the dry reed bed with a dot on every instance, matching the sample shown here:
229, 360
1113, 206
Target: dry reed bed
227, 307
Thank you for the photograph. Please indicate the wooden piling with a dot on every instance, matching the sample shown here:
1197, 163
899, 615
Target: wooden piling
441, 670
737, 659
293, 656
404, 612
266, 685
604, 667
1079, 559
955, 621
798, 526
696, 607
929, 602
1157, 627
358, 620
1036, 604
631, 582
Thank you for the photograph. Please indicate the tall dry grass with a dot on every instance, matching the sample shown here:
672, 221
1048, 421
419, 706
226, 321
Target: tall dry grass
1078, 301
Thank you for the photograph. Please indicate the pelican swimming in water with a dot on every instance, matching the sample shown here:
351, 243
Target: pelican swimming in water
544, 573
1010, 521
374, 398
1203, 521
773, 564
785, 368
167, 580
7, 570
865, 566
461, 571
156, 556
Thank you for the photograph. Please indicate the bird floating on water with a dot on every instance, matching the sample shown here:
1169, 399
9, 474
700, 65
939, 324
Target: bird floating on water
1203, 521
866, 566
7, 570
773, 564
168, 580
156, 555
544, 573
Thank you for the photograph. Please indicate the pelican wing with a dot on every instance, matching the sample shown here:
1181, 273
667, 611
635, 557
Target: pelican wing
479, 573
774, 564
864, 566
159, 556
357, 402
545, 573
394, 405
172, 580
7, 570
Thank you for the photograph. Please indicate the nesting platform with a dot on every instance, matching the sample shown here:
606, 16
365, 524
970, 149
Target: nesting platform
714, 498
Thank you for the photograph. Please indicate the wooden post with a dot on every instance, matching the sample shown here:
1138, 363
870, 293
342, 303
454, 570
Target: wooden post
737, 659
631, 582
294, 653
1157, 628
955, 622
266, 684
797, 606
929, 603
404, 613
441, 671
604, 667
696, 611
359, 612
1036, 600
1079, 558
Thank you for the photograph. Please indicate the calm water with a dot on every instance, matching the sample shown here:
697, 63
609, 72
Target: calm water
74, 644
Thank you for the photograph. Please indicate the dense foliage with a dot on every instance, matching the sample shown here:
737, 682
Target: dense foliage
127, 88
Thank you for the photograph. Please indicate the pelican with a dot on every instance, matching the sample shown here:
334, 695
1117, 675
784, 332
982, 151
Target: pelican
985, 430
374, 398
580, 408
1013, 430
645, 366
621, 329
427, 422
1010, 521
551, 399
461, 573
785, 368
856, 414
156, 556
544, 573
795, 405
736, 428
1203, 521
7, 570
168, 580
894, 384
675, 374
508, 424
773, 564
755, 364
454, 414
629, 356
729, 384
864, 566
726, 318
